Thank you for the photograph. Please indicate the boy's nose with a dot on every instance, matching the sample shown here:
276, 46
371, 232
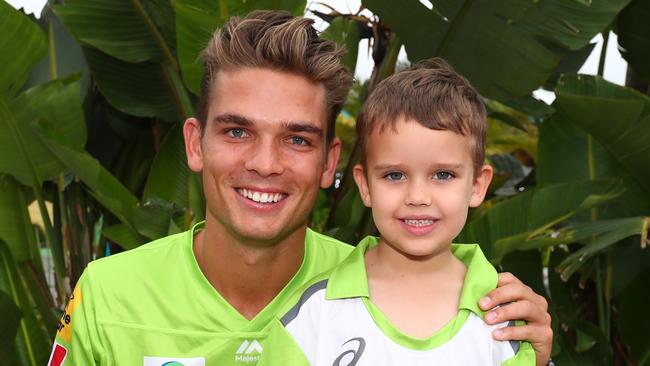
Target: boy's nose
418, 194
264, 159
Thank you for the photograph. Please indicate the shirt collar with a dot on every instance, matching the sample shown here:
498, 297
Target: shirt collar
350, 279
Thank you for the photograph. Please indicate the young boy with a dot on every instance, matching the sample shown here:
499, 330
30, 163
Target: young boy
409, 297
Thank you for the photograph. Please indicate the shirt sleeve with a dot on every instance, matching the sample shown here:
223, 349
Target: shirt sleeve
524, 357
77, 340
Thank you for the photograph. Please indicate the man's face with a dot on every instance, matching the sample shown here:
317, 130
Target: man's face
420, 183
263, 153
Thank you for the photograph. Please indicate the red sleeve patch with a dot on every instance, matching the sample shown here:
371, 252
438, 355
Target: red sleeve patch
58, 355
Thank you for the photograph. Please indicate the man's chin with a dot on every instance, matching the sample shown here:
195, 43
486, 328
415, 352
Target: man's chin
265, 237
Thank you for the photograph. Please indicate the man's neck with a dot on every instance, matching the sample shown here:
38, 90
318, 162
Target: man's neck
248, 277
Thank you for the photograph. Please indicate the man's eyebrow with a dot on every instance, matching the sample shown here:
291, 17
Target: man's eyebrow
233, 119
303, 127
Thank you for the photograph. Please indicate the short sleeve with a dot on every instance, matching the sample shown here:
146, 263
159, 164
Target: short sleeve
77, 341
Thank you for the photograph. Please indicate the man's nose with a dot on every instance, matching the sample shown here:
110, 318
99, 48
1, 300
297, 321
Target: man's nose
265, 158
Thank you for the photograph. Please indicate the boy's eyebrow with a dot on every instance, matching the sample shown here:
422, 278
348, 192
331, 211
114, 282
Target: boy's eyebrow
452, 166
303, 127
233, 119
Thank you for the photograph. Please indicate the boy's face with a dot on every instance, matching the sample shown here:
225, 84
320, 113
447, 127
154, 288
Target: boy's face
420, 183
263, 153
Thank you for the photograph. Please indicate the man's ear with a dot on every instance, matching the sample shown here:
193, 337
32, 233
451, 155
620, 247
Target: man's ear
362, 183
192, 136
332, 160
480, 185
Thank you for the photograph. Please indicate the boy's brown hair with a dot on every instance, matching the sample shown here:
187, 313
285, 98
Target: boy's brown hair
278, 41
432, 94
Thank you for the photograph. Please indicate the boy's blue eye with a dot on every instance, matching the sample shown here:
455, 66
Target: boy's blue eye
443, 175
394, 176
236, 132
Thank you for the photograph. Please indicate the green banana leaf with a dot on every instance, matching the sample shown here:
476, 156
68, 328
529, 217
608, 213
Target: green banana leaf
132, 57
567, 153
64, 56
8, 330
603, 234
634, 36
104, 186
617, 117
15, 227
142, 89
24, 41
32, 340
508, 225
152, 219
130, 31
169, 177
23, 156
505, 48
632, 323
196, 21
124, 236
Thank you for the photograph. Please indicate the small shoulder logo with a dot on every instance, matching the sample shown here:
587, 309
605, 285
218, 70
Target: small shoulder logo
249, 351
64, 327
356, 353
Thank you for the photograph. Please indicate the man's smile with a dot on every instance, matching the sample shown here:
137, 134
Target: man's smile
261, 197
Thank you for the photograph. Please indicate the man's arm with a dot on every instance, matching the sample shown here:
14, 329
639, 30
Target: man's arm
522, 303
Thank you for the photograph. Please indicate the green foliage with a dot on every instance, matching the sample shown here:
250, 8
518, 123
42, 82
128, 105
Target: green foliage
519, 43
634, 36
92, 129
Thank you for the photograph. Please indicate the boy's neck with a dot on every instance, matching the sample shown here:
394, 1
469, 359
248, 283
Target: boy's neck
418, 295
391, 262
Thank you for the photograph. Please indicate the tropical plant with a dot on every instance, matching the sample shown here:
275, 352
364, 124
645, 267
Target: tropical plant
95, 93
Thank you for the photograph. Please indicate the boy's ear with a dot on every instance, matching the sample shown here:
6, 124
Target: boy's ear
480, 185
362, 183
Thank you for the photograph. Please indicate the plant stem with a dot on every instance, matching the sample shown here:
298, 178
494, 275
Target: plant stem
603, 53
600, 297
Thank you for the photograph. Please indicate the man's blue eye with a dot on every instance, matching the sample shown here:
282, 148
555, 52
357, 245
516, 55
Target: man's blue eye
297, 140
395, 176
443, 175
236, 132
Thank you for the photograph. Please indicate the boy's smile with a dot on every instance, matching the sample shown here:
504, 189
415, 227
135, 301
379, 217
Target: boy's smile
420, 184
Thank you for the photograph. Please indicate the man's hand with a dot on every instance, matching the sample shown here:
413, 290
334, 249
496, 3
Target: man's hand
522, 303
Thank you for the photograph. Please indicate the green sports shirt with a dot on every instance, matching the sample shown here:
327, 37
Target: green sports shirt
335, 323
153, 306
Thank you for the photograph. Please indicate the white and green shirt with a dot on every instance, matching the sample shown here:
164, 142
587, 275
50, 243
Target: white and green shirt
153, 306
335, 323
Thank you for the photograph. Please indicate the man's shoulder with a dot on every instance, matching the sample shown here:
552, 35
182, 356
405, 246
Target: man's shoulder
148, 259
327, 243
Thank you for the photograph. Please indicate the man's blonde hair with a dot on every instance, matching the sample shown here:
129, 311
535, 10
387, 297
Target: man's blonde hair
276, 40
432, 94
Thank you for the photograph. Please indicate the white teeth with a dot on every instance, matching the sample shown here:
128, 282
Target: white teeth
262, 197
418, 222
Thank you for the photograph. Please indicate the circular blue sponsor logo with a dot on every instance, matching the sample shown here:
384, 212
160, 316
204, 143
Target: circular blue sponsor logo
172, 363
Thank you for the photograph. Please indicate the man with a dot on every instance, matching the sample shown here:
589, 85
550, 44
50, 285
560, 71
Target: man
264, 141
